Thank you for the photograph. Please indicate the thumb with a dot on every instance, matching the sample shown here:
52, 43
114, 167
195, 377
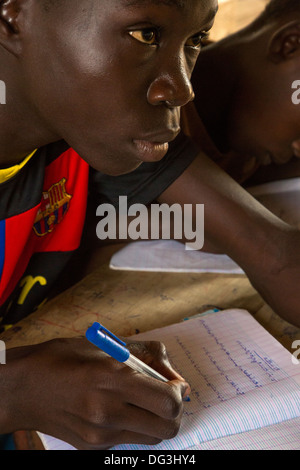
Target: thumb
184, 387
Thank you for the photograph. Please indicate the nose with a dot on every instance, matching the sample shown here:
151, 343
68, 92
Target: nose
171, 86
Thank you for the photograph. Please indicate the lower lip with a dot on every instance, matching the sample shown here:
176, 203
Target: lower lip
151, 151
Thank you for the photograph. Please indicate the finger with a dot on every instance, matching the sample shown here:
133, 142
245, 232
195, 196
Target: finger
111, 439
162, 399
154, 353
98, 438
110, 428
145, 423
186, 389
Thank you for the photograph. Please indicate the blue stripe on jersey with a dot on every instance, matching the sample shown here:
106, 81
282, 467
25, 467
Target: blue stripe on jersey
2, 245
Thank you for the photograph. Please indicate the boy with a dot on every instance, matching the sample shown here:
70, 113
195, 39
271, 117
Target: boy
89, 73
80, 52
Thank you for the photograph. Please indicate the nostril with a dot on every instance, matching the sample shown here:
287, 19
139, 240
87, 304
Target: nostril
170, 92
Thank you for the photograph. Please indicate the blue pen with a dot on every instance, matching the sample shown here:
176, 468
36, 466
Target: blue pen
114, 347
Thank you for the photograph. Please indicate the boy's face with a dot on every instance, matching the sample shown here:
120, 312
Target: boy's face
263, 120
110, 76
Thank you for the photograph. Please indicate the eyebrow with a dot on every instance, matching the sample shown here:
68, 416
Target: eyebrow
212, 14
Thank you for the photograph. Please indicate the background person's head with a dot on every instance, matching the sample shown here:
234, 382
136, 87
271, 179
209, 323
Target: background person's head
252, 72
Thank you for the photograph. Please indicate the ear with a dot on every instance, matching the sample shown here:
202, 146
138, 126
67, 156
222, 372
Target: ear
285, 43
9, 25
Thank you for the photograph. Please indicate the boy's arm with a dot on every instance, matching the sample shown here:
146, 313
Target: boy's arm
264, 246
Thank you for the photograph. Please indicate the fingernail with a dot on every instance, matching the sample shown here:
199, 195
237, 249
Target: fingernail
186, 394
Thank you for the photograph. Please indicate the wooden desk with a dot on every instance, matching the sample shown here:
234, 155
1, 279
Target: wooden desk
128, 302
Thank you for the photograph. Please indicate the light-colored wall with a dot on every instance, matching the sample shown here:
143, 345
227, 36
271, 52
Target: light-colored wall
234, 15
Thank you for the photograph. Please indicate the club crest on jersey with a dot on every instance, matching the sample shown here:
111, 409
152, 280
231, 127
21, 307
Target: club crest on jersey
54, 206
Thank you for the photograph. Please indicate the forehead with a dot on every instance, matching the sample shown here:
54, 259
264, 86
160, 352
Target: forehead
210, 5
179, 3
68, 11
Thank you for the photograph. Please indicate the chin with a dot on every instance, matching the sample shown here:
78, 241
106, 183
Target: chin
110, 163
117, 169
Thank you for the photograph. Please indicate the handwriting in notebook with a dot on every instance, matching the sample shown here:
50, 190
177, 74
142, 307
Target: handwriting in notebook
241, 378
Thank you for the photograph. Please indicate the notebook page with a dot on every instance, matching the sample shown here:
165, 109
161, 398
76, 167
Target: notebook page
242, 379
282, 436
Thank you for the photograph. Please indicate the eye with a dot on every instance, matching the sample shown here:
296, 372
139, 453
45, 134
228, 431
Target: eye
197, 41
147, 36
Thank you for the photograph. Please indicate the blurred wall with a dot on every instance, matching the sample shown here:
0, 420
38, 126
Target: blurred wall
234, 15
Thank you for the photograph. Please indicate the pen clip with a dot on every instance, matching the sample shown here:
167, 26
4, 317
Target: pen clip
108, 342
102, 328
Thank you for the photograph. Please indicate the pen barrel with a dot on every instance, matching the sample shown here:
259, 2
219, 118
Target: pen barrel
140, 366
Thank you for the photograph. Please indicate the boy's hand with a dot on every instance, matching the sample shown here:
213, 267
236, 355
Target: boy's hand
69, 389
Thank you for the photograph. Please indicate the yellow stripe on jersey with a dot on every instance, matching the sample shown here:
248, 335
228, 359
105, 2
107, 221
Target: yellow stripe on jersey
8, 173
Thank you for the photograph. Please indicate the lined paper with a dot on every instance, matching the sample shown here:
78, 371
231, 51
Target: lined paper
242, 381
281, 436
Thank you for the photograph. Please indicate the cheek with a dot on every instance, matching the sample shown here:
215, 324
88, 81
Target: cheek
108, 94
259, 120
244, 126
97, 101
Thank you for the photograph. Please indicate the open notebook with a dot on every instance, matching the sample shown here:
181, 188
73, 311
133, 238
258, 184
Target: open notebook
245, 385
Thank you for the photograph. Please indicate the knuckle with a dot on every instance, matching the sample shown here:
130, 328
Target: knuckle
148, 349
172, 405
97, 415
93, 439
159, 348
172, 430
102, 417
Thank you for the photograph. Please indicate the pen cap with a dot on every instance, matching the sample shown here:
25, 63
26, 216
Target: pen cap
109, 343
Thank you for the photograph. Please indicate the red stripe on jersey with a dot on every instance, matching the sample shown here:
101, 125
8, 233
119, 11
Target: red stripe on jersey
18, 250
53, 225
66, 183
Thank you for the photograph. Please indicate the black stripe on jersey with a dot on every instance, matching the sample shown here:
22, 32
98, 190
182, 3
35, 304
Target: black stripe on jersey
23, 191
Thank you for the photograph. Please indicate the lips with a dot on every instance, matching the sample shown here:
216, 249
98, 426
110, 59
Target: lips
154, 148
151, 151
